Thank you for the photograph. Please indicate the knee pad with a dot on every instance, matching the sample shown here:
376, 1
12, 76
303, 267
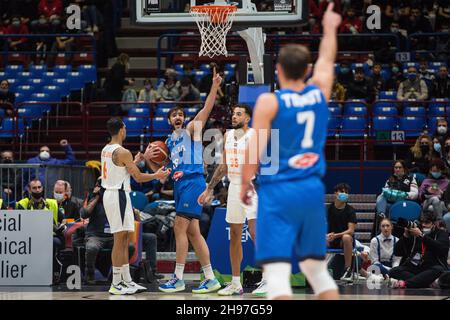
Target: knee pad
277, 276
317, 274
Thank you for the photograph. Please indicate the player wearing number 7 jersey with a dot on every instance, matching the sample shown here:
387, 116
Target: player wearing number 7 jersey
291, 205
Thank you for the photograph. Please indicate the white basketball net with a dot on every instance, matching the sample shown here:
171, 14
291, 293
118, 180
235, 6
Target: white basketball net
214, 22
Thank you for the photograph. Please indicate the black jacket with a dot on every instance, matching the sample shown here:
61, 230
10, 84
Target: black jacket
435, 244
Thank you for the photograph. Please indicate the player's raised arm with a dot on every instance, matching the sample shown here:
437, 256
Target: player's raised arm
265, 110
323, 74
203, 115
125, 157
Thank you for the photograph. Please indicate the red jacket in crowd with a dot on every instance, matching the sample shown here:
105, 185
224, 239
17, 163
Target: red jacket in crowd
23, 29
351, 22
50, 7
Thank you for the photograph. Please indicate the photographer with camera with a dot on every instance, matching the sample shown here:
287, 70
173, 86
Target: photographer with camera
432, 188
424, 249
37, 201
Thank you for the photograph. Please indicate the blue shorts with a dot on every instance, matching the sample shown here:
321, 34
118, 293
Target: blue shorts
291, 221
186, 192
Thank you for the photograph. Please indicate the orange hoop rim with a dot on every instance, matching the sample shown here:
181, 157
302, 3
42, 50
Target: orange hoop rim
215, 8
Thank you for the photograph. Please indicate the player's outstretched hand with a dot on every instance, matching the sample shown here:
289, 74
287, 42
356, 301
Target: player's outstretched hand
331, 19
247, 191
217, 79
138, 157
206, 197
151, 152
162, 173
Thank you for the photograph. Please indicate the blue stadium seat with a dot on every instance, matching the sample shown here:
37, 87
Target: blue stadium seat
3, 75
63, 85
62, 70
406, 65
139, 112
191, 112
334, 123
248, 94
20, 97
357, 111
89, 71
12, 70
7, 127
337, 68
53, 92
439, 102
408, 210
37, 70
42, 97
230, 67
13, 84
162, 112
436, 110
48, 77
165, 105
76, 80
414, 112
179, 68
413, 126
436, 65
432, 125
138, 200
205, 67
23, 77
199, 75
38, 84
334, 111
381, 110
203, 96
161, 128
386, 74
354, 103
135, 126
228, 75
29, 113
387, 95
382, 123
353, 127
26, 90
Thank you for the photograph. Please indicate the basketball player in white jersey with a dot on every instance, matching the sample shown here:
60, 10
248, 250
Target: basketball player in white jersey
117, 166
235, 143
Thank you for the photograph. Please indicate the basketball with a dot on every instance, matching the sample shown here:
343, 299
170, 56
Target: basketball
163, 151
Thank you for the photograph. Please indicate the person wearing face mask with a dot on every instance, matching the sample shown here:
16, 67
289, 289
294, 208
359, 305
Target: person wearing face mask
440, 135
396, 76
432, 188
10, 179
44, 158
441, 84
358, 88
424, 251
376, 83
16, 27
7, 98
382, 248
188, 92
169, 89
413, 87
345, 76
37, 201
342, 221
419, 157
70, 208
399, 186
148, 93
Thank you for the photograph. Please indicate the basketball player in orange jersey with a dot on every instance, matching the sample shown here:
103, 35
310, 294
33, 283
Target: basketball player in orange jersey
235, 143
117, 166
291, 199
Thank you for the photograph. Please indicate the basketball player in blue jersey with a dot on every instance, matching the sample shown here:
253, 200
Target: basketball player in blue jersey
186, 162
291, 205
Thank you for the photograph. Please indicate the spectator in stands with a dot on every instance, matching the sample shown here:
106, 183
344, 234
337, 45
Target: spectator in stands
413, 87
338, 92
396, 76
376, 82
37, 201
341, 225
129, 96
188, 92
98, 234
169, 89
432, 188
399, 186
443, 14
424, 251
425, 74
441, 133
146, 187
11, 187
420, 155
188, 71
7, 98
441, 84
16, 27
71, 197
446, 197
382, 248
115, 82
417, 22
446, 153
394, 28
345, 76
52, 10
90, 14
70, 209
44, 158
359, 87
352, 23
150, 247
62, 44
148, 93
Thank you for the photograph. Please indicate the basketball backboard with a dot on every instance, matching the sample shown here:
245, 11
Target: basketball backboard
174, 14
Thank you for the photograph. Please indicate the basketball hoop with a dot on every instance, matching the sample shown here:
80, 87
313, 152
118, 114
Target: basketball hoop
213, 22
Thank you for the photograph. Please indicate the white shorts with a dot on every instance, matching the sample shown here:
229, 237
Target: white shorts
237, 212
118, 210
